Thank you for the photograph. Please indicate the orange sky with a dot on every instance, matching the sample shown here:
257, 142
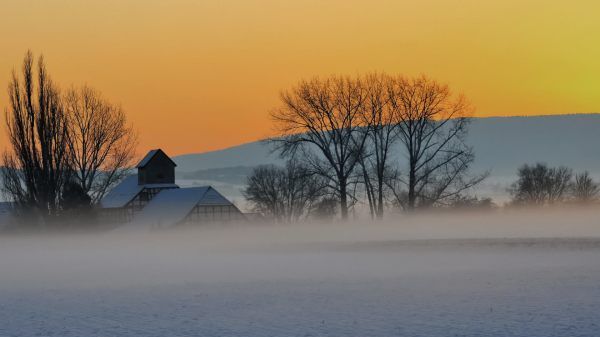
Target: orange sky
202, 75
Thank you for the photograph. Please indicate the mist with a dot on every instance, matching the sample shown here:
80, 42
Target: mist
250, 252
516, 272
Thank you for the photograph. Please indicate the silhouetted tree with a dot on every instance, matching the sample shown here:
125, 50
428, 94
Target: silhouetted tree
539, 184
584, 188
325, 208
101, 143
73, 196
432, 125
76, 204
471, 203
379, 117
287, 193
37, 162
319, 122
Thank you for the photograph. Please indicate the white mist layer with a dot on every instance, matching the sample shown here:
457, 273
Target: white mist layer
520, 273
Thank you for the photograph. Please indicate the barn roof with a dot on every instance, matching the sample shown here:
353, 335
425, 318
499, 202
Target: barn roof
122, 193
126, 191
151, 155
170, 207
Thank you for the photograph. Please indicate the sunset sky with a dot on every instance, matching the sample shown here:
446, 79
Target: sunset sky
202, 75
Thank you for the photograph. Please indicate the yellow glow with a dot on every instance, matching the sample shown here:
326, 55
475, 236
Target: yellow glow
201, 75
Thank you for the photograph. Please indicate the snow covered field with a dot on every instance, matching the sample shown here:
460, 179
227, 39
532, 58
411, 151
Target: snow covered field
513, 274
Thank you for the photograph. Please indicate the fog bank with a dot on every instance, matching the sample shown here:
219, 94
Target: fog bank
253, 252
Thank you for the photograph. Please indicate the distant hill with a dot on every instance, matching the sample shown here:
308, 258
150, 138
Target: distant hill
501, 145
234, 174
249, 154
504, 143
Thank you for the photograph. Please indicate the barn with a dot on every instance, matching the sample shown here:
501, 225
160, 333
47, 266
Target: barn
151, 198
187, 206
155, 173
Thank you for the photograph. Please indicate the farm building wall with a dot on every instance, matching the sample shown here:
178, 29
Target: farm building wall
159, 170
213, 214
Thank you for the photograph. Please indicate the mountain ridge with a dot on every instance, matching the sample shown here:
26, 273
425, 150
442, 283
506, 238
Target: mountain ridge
501, 144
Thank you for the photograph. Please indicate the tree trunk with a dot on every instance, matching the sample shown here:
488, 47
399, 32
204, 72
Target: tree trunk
370, 192
343, 199
379, 211
411, 188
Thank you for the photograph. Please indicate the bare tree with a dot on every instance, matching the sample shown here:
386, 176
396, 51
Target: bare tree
102, 144
287, 194
263, 191
432, 125
584, 188
37, 162
379, 117
466, 202
319, 121
539, 184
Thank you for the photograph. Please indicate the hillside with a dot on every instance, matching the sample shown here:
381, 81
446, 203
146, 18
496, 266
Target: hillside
501, 145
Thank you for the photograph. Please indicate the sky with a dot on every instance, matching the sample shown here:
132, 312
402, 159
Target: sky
196, 76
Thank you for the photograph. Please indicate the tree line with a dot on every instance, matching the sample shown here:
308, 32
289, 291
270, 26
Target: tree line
339, 136
340, 131
540, 184
66, 148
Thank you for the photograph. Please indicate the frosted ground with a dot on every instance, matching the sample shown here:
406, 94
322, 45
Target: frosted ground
505, 274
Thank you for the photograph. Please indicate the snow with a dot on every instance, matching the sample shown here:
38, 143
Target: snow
213, 197
478, 275
122, 193
127, 190
169, 207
